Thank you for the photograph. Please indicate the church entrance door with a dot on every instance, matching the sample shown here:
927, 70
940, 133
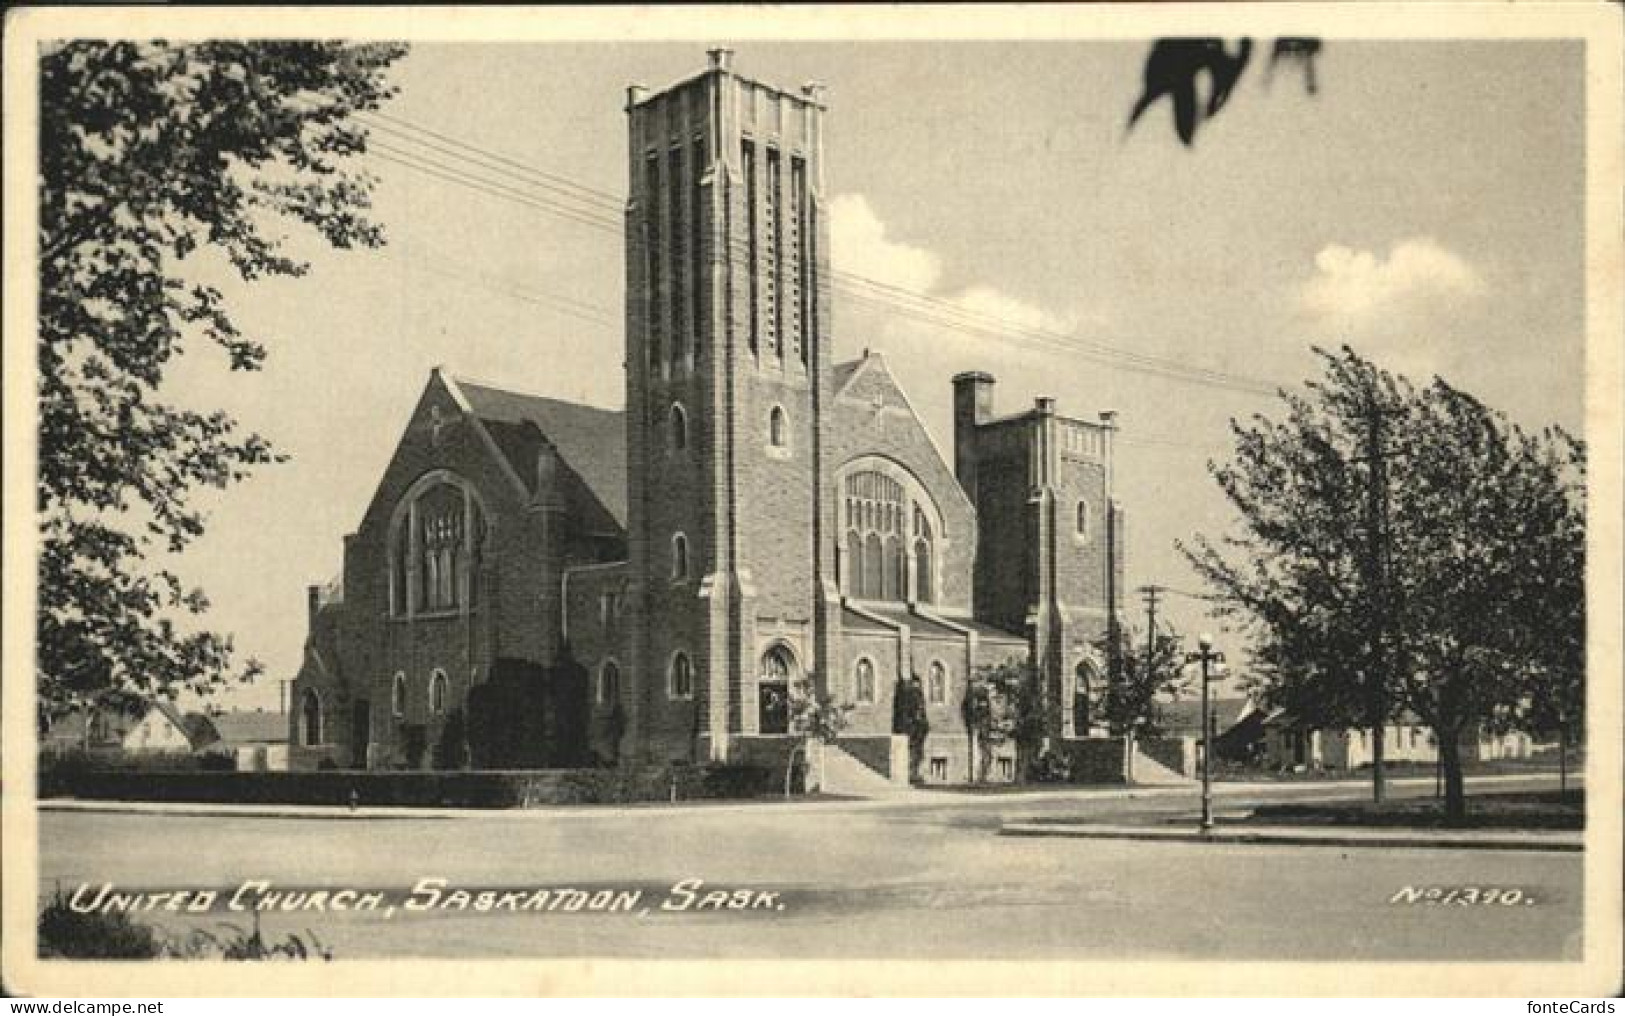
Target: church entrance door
773, 707
360, 732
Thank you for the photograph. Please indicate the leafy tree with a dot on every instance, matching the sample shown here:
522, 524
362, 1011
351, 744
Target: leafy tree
1142, 681
1004, 704
813, 717
159, 162
908, 717
1425, 604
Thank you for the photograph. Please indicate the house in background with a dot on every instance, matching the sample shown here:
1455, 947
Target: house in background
160, 729
255, 740
1291, 744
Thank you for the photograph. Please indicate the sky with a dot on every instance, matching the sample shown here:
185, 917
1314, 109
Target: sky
1424, 205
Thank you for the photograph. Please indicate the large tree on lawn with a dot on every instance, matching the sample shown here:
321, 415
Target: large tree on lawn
1424, 603
157, 161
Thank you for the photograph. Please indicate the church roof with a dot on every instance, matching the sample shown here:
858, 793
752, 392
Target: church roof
241, 727
591, 441
843, 373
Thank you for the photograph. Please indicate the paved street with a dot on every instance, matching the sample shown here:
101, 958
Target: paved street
926, 880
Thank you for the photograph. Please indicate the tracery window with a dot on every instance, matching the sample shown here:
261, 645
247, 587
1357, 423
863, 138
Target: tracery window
434, 547
884, 525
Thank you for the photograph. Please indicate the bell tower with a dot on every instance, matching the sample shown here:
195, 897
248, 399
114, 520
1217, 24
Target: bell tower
727, 375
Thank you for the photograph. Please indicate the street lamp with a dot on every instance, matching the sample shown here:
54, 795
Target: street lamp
1209, 661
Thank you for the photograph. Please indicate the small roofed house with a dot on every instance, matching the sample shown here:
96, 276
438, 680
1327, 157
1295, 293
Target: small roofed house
1291, 744
1233, 720
254, 740
159, 729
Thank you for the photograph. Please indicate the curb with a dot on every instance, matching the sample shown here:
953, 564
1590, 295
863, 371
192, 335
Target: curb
1286, 835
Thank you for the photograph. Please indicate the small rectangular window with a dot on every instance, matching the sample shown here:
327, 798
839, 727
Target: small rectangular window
1007, 768
939, 768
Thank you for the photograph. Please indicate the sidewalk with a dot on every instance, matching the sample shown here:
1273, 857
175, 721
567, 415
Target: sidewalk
1319, 836
902, 799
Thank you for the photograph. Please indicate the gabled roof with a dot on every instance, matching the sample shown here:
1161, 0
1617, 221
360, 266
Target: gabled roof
842, 373
591, 441
244, 727
1185, 717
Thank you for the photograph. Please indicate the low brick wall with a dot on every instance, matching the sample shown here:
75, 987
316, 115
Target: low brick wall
1094, 759
505, 789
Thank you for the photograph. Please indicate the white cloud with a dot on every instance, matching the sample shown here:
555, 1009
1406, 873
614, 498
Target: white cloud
1352, 285
860, 247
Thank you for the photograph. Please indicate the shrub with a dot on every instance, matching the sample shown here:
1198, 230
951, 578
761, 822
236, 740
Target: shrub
1049, 767
64, 933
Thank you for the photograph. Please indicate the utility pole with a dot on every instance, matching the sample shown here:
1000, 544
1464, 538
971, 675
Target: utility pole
1150, 593
1376, 457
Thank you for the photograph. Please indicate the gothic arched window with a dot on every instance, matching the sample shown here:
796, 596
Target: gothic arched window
1081, 523
864, 691
889, 550
609, 683
936, 686
310, 717
397, 696
680, 679
775, 428
679, 557
434, 546
923, 558
437, 693
679, 427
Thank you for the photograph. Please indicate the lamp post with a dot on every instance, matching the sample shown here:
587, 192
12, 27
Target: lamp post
1207, 658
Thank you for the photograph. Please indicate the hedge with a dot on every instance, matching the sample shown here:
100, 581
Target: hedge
489, 789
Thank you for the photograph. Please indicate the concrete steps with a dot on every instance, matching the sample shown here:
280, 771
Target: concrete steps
1148, 772
840, 773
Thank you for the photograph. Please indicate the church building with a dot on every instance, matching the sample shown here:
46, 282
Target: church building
542, 583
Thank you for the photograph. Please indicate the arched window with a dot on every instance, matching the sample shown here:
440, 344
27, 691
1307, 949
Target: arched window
609, 683
679, 427
936, 684
777, 664
923, 558
773, 694
873, 565
1081, 523
1086, 695
865, 682
888, 534
437, 692
310, 715
434, 546
679, 557
775, 428
397, 696
680, 678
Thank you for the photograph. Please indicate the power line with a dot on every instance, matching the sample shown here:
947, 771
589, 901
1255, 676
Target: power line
905, 301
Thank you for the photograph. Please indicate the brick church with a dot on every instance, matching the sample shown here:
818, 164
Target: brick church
538, 582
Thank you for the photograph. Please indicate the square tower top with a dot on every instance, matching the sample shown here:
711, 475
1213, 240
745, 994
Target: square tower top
721, 108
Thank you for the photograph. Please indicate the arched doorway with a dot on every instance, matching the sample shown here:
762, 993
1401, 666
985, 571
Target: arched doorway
773, 691
360, 732
310, 714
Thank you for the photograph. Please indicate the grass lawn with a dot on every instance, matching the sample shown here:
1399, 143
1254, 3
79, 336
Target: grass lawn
1547, 809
